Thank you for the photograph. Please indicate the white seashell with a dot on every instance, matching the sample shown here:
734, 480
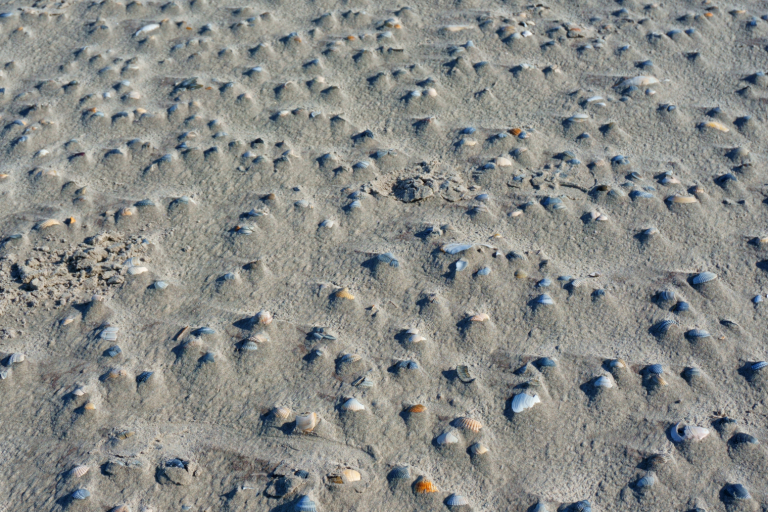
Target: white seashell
78, 392
134, 271
79, 471
16, 357
306, 422
524, 401
478, 449
146, 29
447, 438
456, 500
675, 434
698, 433
639, 81
603, 382
353, 404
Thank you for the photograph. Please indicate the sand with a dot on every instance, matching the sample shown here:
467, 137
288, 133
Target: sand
220, 222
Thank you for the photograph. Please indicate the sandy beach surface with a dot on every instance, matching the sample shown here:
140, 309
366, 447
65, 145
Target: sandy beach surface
356, 255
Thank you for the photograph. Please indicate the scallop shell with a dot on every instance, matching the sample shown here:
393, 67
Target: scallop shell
306, 422
416, 409
704, 277
353, 404
468, 424
264, 317
478, 449
48, 224
344, 293
482, 317
456, 500
79, 471
305, 504
281, 413
464, 375
424, 486
524, 401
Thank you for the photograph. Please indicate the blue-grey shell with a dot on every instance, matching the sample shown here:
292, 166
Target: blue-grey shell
666, 295
655, 369
736, 491
583, 506
144, 202
388, 257
400, 473
408, 365
160, 285
682, 306
204, 330
544, 283
697, 333
758, 365
144, 376
81, 494
208, 358
544, 299
456, 248
305, 504
704, 277
546, 362
692, 372
640, 194
113, 351
484, 271
741, 437
461, 265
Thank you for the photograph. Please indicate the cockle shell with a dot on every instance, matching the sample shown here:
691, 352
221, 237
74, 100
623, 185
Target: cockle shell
305, 504
281, 412
264, 317
306, 422
424, 486
524, 401
478, 449
353, 404
468, 424
456, 500
79, 471
344, 293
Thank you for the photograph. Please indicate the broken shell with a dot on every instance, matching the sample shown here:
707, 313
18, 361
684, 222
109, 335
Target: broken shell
524, 401
482, 317
464, 375
424, 486
48, 224
638, 81
344, 293
468, 424
353, 404
306, 422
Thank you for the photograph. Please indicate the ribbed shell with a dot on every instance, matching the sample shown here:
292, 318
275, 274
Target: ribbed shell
144, 376
344, 293
400, 473
79, 471
524, 401
305, 504
463, 374
264, 317
692, 372
81, 494
424, 486
603, 382
647, 481
664, 326
704, 277
759, 365
468, 424
353, 404
697, 333
655, 369
306, 422
456, 500
281, 412
657, 380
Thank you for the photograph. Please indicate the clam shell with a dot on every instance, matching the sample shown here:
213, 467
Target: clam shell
306, 422
736, 492
416, 409
353, 404
455, 248
704, 277
344, 293
89, 406
134, 271
79, 471
16, 357
524, 401
461, 265
482, 317
281, 412
697, 333
647, 481
305, 504
264, 317
456, 500
424, 486
544, 299
463, 374
81, 494
655, 369
678, 199
468, 424
447, 438
351, 475
603, 382
400, 473
478, 449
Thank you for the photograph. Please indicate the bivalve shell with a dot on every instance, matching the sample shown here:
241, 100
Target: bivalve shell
344, 293
478, 449
647, 481
424, 486
306, 422
447, 438
603, 382
704, 277
305, 504
456, 500
81, 494
353, 404
79, 471
524, 401
468, 424
281, 412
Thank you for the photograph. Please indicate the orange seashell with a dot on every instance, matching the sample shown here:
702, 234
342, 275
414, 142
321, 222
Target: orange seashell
397, 25
3, 176
515, 131
469, 424
708, 14
344, 293
48, 223
188, 28
89, 406
424, 486
351, 38
70, 221
415, 409
335, 479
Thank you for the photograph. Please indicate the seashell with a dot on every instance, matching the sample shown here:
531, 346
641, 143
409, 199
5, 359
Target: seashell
350, 358
48, 224
416, 409
408, 365
159, 285
482, 317
742, 438
389, 258
89, 406
81, 494
758, 366
603, 382
544, 283
666, 295
679, 435
363, 382
109, 334
464, 375
691, 372
204, 330
578, 118
638, 81
524, 401
697, 333
400, 473
582, 506
447, 438
654, 369
116, 373
715, 125
144, 376
659, 459
120, 508
281, 413
134, 271
424, 486
484, 271
353, 404
617, 363
678, 199
208, 357
16, 357
264, 317
736, 492
468, 424
305, 504
657, 380
544, 299
113, 351
546, 362
697, 433
455, 248
520, 274
146, 29
478, 449
540, 507
647, 481
704, 277
68, 320
78, 392
461, 265
351, 475
416, 338
249, 346
344, 293
456, 500
306, 422
78, 471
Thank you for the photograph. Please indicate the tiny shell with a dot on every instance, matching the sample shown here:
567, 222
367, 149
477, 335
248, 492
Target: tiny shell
704, 277
264, 317
351, 475
520, 274
16, 357
524, 401
647, 481
134, 271
306, 422
697, 333
344, 293
48, 224
447, 438
456, 500
468, 424
603, 382
461, 265
415, 409
81, 494
638, 81
79, 471
281, 412
350, 358
484, 271
353, 404
736, 492
678, 199
716, 125
455, 248
89, 406
478, 449
758, 365
544, 299
482, 317
424, 486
